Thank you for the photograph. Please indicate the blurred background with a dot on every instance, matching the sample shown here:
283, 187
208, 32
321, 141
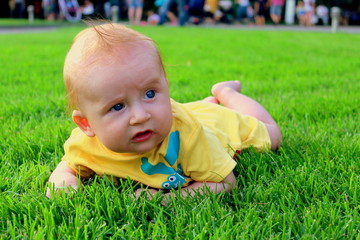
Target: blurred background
181, 12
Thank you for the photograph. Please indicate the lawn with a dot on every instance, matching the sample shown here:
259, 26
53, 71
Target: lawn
309, 189
23, 22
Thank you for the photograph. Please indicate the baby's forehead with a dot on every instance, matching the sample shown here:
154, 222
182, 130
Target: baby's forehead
89, 48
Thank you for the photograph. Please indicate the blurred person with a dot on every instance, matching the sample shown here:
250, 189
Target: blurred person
122, 7
70, 9
276, 7
260, 10
250, 14
242, 11
11, 6
38, 9
309, 8
87, 9
322, 13
169, 14
225, 12
107, 9
135, 9
345, 16
164, 11
210, 8
196, 11
300, 13
17, 8
153, 18
50, 7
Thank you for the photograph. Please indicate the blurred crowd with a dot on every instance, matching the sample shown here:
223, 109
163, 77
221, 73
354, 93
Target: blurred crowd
181, 12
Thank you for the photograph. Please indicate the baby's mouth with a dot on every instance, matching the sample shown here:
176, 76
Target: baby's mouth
142, 136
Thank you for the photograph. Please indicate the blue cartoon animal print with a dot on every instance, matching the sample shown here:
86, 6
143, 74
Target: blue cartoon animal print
174, 181
175, 178
172, 152
159, 168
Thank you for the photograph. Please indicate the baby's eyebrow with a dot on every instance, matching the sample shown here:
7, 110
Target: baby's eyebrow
112, 102
152, 82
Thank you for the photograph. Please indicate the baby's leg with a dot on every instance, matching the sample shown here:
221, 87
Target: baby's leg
211, 99
231, 84
235, 85
227, 94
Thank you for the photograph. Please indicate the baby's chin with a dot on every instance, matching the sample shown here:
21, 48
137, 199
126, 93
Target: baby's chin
136, 149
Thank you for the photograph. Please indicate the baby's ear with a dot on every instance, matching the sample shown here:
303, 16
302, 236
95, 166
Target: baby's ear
82, 123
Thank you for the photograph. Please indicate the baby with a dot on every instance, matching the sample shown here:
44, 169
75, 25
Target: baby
129, 127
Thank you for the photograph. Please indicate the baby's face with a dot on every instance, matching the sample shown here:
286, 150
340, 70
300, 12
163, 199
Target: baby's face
127, 103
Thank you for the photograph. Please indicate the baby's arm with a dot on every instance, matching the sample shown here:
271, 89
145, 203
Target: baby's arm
197, 187
62, 177
226, 185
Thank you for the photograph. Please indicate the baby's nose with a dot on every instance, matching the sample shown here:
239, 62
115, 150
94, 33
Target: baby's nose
139, 114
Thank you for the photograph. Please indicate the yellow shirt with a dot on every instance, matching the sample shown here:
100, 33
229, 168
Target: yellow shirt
211, 5
199, 147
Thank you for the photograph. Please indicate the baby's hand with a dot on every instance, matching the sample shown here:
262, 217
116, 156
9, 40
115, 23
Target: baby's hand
149, 193
50, 191
62, 179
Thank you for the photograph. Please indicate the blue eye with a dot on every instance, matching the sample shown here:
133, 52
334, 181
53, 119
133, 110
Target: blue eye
117, 107
150, 94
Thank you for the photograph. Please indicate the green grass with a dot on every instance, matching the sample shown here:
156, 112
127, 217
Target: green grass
308, 190
19, 22
23, 22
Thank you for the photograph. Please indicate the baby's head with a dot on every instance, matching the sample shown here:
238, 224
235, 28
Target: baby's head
117, 85
100, 45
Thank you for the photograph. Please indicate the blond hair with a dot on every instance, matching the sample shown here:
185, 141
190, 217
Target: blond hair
92, 46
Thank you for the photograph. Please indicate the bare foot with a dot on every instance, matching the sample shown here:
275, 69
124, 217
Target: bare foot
217, 88
211, 99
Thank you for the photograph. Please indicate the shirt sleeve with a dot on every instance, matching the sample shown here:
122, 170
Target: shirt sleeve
75, 156
234, 130
79, 169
